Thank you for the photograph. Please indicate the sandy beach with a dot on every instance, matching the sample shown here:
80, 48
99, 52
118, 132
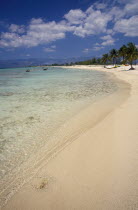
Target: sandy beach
97, 169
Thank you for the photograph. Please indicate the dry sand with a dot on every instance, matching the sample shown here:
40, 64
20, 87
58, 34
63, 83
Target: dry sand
97, 170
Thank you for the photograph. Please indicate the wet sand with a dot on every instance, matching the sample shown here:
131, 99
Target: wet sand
98, 168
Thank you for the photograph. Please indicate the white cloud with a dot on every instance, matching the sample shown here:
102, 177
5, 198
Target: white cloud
94, 23
16, 28
86, 50
107, 40
131, 8
36, 21
90, 22
95, 20
127, 26
100, 5
50, 49
75, 16
107, 37
96, 48
41, 32
116, 13
125, 1
38, 32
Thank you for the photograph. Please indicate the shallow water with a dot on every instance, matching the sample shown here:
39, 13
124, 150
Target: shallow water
33, 106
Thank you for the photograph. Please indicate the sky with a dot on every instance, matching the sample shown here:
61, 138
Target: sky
65, 28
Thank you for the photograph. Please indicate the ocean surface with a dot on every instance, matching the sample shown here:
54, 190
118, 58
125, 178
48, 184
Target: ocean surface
33, 107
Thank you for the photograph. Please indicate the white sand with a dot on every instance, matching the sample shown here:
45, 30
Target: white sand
97, 170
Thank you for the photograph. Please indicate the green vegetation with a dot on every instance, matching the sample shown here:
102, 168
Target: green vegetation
131, 53
114, 56
93, 61
126, 54
122, 53
106, 58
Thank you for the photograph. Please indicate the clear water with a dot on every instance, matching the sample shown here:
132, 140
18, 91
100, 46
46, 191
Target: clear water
33, 106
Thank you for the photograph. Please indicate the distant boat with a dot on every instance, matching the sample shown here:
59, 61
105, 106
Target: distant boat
45, 69
28, 70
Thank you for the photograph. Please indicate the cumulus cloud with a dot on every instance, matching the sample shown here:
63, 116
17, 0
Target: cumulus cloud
116, 13
97, 48
125, 1
126, 20
94, 23
41, 32
95, 20
131, 8
50, 49
16, 28
100, 5
38, 32
107, 40
127, 26
94, 48
75, 16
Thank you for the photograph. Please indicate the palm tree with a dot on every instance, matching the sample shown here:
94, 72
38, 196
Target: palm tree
105, 58
98, 60
132, 53
114, 55
122, 52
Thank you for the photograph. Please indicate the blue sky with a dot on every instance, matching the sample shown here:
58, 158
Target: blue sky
65, 28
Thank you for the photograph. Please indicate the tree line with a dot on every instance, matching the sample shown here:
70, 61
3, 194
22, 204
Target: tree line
127, 54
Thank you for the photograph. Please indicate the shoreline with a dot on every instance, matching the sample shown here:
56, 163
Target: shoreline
77, 169
11, 184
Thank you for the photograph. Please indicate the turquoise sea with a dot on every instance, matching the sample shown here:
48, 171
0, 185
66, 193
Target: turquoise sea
34, 105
